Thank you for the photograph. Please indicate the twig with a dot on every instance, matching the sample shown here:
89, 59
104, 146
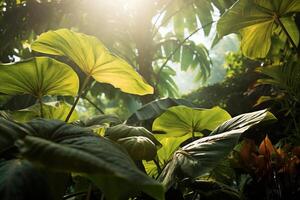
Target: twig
93, 104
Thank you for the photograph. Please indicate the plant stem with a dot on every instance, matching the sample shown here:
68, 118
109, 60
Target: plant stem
86, 80
277, 19
89, 193
93, 104
41, 106
156, 162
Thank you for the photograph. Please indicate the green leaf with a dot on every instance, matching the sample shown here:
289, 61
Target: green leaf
245, 120
258, 20
204, 155
93, 59
38, 76
181, 120
139, 147
21, 180
120, 131
200, 156
68, 148
256, 40
51, 110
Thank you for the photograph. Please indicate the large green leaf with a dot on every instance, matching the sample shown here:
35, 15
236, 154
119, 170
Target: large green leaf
203, 155
120, 131
20, 179
181, 120
258, 20
68, 148
93, 59
51, 110
38, 76
139, 147
244, 120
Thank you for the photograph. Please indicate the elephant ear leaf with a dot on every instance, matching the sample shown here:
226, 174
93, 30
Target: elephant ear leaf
38, 76
178, 121
68, 148
93, 59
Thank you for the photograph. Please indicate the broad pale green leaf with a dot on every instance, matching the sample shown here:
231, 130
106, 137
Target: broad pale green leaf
51, 110
93, 59
120, 131
181, 120
139, 147
258, 20
68, 148
38, 76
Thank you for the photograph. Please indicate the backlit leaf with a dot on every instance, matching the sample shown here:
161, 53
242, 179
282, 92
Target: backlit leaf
92, 57
38, 76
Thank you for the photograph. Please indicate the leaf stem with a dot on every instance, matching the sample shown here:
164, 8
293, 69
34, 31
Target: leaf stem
41, 106
86, 80
156, 162
93, 104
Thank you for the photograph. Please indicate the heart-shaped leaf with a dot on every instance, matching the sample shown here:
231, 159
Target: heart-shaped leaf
181, 120
93, 59
38, 76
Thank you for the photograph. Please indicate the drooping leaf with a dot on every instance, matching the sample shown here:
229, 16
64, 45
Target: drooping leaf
51, 110
93, 59
139, 147
244, 120
120, 131
200, 156
181, 120
68, 148
203, 155
38, 76
258, 21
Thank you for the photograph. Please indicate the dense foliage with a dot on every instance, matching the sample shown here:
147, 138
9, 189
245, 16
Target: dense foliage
219, 142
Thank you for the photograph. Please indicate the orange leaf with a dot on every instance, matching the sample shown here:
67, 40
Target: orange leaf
266, 148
